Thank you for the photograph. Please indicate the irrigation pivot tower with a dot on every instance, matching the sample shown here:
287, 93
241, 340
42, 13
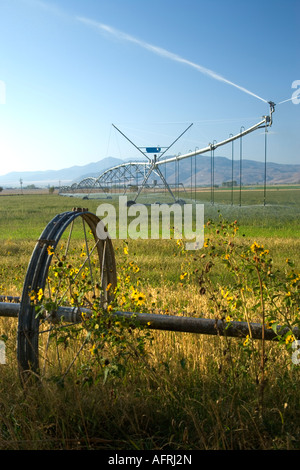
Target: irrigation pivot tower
153, 165
131, 172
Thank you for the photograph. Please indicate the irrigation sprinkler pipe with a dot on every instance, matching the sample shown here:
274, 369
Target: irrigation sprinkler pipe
214, 146
205, 326
267, 121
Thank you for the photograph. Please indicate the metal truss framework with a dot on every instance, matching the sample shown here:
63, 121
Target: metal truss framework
136, 174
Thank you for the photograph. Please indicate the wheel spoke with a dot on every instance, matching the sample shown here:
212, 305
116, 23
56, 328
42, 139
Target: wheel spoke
77, 274
69, 280
88, 255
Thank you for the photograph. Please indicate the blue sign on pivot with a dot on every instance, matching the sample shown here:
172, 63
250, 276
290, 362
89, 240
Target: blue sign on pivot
153, 149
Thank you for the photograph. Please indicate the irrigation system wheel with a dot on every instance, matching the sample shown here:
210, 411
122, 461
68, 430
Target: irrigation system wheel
70, 266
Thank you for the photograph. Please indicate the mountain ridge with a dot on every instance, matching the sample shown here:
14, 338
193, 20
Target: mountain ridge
252, 172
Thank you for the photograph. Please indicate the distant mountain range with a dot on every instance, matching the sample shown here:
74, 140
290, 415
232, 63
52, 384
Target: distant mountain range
57, 177
252, 173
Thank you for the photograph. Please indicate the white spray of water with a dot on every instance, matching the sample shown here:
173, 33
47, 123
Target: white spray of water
164, 53
285, 101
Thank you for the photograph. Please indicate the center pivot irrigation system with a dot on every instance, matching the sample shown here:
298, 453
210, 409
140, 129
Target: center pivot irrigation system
136, 174
71, 266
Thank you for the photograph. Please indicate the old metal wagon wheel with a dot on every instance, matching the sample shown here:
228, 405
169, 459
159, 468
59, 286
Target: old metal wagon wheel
70, 267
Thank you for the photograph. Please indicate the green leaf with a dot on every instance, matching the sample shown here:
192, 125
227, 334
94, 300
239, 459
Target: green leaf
274, 327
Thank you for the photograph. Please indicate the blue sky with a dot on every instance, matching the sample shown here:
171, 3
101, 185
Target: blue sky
69, 69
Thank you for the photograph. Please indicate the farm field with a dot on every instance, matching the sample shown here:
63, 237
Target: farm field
169, 391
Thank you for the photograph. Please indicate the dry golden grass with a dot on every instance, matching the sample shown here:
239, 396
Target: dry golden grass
188, 391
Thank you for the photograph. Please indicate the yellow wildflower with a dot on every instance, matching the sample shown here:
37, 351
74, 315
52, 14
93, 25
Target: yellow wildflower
40, 294
50, 250
255, 246
139, 298
32, 295
289, 339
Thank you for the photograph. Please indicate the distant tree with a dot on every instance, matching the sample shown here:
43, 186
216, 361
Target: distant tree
1, 189
51, 189
229, 183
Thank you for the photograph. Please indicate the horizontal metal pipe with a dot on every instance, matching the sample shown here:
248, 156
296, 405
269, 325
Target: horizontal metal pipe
8, 309
206, 326
212, 146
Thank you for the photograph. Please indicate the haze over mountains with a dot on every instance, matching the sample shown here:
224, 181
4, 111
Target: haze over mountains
57, 177
252, 173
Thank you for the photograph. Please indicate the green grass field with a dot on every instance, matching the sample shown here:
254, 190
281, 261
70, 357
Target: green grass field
188, 392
